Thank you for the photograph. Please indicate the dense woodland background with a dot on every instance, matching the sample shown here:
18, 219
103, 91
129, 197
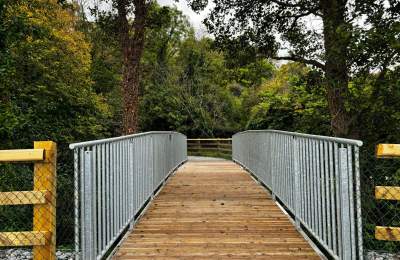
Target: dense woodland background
61, 76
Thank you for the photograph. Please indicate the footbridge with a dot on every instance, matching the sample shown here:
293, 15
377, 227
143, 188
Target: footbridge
282, 196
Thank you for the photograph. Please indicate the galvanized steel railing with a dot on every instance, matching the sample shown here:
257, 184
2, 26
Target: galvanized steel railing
114, 179
316, 178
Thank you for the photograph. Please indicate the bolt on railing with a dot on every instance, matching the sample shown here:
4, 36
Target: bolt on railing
316, 178
114, 179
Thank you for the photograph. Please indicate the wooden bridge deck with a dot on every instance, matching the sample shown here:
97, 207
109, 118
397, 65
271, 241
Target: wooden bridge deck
214, 210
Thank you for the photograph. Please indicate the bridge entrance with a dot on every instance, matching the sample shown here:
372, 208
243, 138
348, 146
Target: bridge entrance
214, 210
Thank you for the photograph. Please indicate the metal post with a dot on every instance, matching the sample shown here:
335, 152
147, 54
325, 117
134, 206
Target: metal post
297, 200
87, 225
76, 197
358, 203
345, 205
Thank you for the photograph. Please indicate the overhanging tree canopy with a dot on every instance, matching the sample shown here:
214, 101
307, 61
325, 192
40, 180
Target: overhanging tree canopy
339, 37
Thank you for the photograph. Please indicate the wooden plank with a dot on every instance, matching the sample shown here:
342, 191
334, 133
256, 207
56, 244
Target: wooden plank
208, 149
44, 216
209, 144
387, 193
32, 238
214, 210
388, 150
23, 155
23, 197
387, 233
210, 139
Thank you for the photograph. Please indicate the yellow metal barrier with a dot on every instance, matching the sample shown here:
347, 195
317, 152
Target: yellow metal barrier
43, 197
387, 193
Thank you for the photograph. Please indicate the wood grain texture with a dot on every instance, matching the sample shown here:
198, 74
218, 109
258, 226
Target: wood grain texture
32, 238
44, 215
387, 193
387, 233
23, 197
22, 155
387, 150
214, 210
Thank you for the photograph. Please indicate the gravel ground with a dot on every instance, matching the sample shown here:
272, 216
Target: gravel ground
373, 255
17, 254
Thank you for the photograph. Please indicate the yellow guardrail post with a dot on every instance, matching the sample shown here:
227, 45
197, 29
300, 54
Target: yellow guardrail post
44, 215
387, 193
43, 197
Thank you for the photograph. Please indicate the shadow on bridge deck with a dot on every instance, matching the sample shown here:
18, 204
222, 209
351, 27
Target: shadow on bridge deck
214, 210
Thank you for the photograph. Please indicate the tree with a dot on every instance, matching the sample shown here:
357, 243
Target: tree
292, 100
46, 88
164, 39
340, 47
106, 69
132, 40
46, 93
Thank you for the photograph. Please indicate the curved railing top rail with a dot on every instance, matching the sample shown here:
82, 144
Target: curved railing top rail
319, 137
119, 138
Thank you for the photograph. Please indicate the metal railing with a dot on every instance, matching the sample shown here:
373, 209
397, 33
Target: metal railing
114, 180
316, 178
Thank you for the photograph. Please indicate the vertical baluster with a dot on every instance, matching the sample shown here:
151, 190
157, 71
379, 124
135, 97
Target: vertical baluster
307, 181
94, 199
351, 199
328, 195
318, 187
332, 179
338, 201
358, 203
115, 190
77, 182
108, 189
98, 202
83, 201
312, 188
88, 238
323, 191
345, 204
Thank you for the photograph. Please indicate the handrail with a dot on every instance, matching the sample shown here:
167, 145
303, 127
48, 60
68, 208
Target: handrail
316, 178
119, 138
316, 137
115, 178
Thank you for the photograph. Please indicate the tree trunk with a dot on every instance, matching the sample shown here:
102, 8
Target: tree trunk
336, 42
132, 43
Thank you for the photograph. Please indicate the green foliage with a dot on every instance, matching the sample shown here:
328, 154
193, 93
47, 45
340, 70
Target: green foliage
60, 79
253, 74
185, 85
345, 40
46, 93
291, 101
46, 86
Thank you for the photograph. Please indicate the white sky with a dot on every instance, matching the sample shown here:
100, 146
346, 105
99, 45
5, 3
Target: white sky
194, 18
